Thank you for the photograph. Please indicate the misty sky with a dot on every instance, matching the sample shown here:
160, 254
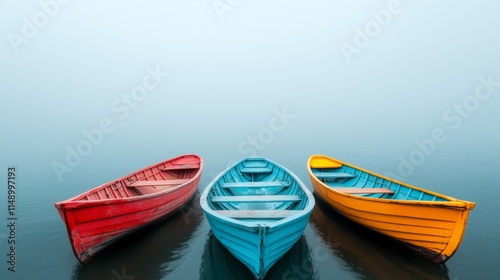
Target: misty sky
93, 90
231, 67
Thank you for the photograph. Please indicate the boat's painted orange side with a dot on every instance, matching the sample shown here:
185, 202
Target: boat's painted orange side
432, 227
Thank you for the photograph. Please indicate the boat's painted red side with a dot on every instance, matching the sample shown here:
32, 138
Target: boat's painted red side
104, 214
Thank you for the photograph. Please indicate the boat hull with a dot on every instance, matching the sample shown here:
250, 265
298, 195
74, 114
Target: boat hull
258, 243
432, 229
92, 225
258, 247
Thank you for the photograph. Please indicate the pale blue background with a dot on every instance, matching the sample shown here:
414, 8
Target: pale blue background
226, 78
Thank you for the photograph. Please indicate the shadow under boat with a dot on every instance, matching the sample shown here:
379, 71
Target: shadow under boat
218, 263
143, 255
368, 253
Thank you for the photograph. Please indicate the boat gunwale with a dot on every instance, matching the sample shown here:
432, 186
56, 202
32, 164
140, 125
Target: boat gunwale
257, 224
76, 202
450, 203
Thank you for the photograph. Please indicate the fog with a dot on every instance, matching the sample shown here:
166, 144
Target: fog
357, 80
94, 90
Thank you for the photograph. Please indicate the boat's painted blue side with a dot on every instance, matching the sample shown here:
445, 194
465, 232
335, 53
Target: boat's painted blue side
258, 210
338, 178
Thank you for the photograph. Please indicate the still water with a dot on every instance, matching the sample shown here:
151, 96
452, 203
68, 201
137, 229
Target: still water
182, 246
92, 91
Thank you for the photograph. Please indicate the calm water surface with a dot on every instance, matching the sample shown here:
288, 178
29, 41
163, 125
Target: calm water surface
182, 246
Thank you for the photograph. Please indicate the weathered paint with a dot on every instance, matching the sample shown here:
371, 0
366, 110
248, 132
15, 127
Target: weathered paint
258, 242
428, 223
98, 217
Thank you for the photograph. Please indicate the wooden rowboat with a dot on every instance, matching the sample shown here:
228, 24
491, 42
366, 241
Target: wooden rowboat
428, 223
108, 212
257, 210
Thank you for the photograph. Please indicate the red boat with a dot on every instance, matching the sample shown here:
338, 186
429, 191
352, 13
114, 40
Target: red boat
102, 215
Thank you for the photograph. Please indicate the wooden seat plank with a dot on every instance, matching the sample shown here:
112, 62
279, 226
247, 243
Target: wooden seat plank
328, 175
256, 170
256, 163
157, 183
364, 190
255, 198
258, 214
180, 167
268, 184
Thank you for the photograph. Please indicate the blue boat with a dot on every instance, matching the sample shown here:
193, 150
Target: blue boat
258, 210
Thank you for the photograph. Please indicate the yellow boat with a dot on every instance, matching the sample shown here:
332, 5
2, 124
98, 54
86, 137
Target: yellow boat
428, 223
